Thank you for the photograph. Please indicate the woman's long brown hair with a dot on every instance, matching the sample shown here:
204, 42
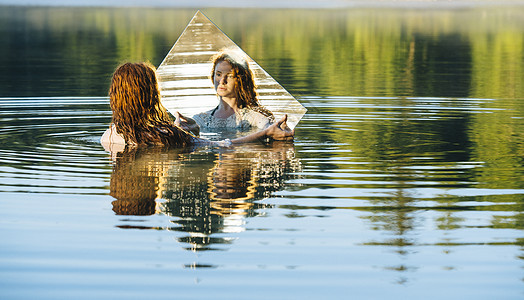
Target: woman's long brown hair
138, 114
245, 83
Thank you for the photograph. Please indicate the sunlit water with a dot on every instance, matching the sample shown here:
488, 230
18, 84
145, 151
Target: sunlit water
415, 192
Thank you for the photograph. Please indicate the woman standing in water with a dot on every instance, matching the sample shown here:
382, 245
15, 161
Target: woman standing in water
139, 118
238, 105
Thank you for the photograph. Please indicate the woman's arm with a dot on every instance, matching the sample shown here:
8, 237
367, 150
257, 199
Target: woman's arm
277, 131
114, 142
186, 123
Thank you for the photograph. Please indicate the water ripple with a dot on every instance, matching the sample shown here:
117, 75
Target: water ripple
50, 145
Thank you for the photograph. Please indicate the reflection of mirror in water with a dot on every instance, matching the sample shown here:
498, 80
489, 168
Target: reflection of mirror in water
184, 74
206, 192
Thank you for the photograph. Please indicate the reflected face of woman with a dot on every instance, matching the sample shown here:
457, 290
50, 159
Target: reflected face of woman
225, 80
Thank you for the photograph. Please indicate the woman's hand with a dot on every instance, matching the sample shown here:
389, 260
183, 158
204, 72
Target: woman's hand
186, 123
279, 131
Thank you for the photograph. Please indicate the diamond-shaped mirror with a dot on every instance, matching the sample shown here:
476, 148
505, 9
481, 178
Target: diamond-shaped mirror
185, 74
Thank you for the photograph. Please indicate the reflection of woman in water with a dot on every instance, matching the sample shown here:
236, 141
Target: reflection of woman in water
238, 105
140, 119
136, 179
203, 192
215, 193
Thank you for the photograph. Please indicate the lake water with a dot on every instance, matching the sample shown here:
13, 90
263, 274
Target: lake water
405, 180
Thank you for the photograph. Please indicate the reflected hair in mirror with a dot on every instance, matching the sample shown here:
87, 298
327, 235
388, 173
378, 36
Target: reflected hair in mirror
247, 96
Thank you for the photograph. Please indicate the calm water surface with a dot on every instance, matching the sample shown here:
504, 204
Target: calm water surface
405, 179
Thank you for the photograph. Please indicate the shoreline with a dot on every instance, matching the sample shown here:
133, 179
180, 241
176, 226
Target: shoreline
284, 4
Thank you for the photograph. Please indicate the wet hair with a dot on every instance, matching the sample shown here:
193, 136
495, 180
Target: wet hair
138, 114
247, 96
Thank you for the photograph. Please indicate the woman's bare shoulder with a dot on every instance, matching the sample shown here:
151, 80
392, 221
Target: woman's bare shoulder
112, 141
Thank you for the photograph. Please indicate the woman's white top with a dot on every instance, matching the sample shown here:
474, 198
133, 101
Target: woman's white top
244, 118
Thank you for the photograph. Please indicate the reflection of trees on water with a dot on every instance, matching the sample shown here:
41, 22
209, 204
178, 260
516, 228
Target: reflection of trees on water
410, 163
406, 155
208, 192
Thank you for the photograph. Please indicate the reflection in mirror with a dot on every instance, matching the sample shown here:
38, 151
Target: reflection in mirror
185, 74
204, 193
